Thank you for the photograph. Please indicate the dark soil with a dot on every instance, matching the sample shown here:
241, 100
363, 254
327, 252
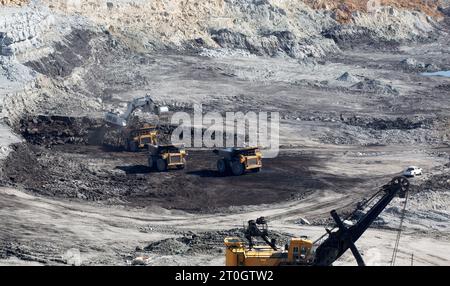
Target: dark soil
97, 174
45, 130
56, 130
389, 123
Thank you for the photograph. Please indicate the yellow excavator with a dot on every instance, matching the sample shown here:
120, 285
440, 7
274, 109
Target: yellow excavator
131, 138
302, 251
298, 252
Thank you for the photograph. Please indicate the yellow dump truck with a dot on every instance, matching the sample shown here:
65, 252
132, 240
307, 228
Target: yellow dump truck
239, 160
165, 157
138, 139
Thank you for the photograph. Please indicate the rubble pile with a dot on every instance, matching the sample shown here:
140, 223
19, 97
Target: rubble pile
192, 243
374, 86
388, 123
58, 130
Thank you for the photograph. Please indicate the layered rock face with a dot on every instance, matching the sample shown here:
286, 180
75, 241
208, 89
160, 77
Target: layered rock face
13, 2
261, 27
296, 29
343, 9
23, 31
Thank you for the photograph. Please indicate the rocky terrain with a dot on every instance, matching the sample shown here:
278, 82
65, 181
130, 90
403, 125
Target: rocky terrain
346, 77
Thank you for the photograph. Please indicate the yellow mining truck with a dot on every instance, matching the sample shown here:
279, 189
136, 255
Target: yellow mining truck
165, 157
138, 139
302, 251
239, 160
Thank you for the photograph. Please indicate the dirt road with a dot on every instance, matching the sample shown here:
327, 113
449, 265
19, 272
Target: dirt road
42, 230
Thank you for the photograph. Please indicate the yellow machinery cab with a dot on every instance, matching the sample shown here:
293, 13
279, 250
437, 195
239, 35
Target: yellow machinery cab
298, 252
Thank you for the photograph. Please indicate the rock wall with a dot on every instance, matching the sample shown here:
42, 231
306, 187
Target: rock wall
22, 30
260, 27
13, 2
343, 10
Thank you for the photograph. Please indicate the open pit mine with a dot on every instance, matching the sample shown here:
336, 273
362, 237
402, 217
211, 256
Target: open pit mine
117, 147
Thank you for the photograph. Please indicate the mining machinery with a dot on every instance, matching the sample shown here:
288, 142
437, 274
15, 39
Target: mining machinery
302, 251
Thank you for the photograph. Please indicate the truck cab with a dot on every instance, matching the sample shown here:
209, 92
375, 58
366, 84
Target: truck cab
165, 157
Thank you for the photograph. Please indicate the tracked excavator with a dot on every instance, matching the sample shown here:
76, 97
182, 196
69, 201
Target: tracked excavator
145, 103
163, 157
136, 139
302, 251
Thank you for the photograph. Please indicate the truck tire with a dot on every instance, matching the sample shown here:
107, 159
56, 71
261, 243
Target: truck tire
221, 166
237, 168
161, 165
151, 162
132, 147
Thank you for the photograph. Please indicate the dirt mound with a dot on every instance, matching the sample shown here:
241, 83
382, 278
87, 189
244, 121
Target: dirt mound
347, 77
47, 131
32, 252
192, 243
375, 86
388, 124
445, 87
55, 130
413, 65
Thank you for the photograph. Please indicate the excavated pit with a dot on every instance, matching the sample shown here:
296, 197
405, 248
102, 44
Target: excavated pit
64, 158
344, 135
91, 173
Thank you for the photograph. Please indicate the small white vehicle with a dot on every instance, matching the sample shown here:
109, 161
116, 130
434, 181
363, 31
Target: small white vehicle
412, 171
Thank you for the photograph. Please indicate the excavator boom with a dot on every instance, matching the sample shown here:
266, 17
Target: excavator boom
344, 238
300, 251
146, 103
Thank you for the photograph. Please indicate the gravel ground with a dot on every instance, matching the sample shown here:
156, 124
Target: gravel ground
354, 107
